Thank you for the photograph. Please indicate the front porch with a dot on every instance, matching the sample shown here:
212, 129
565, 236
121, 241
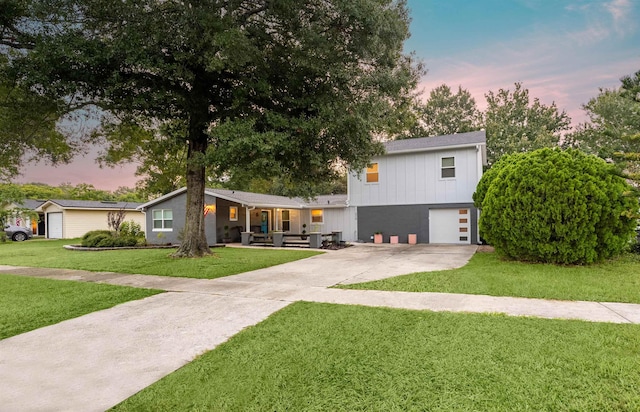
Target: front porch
314, 240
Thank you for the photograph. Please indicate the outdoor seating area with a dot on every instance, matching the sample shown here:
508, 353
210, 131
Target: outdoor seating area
314, 240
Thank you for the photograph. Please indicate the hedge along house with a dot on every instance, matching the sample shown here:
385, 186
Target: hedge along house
421, 186
242, 211
66, 219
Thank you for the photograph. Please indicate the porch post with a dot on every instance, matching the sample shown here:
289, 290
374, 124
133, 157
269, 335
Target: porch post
275, 219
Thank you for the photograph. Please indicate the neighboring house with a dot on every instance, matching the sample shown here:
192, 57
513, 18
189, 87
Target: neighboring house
420, 186
19, 219
66, 219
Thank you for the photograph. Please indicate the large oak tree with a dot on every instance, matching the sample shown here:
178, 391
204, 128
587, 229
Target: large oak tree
275, 87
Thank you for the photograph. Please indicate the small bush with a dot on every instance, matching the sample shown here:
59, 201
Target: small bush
117, 241
131, 229
556, 206
94, 237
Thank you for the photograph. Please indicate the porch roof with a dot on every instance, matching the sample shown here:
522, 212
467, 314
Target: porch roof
256, 199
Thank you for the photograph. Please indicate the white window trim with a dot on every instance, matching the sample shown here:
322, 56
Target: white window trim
311, 217
365, 175
282, 220
441, 168
230, 218
161, 229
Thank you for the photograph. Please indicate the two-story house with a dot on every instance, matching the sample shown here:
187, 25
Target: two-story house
422, 186
419, 186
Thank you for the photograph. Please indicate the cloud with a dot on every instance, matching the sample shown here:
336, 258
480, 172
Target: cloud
602, 20
553, 66
564, 62
621, 12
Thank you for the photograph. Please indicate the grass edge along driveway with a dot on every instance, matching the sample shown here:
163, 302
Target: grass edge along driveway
312, 356
32, 303
616, 280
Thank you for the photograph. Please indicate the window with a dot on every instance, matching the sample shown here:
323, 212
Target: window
372, 173
317, 216
286, 220
162, 219
448, 167
233, 213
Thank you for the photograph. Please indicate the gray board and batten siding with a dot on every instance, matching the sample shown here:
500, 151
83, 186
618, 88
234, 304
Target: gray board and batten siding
177, 205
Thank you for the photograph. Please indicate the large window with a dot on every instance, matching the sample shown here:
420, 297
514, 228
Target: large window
286, 220
448, 167
233, 213
162, 219
372, 173
317, 216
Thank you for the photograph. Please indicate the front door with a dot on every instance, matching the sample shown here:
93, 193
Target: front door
264, 221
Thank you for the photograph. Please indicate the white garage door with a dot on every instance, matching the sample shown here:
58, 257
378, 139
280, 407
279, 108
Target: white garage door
450, 226
54, 225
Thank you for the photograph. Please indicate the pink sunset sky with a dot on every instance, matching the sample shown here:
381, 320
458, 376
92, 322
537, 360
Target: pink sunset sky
563, 51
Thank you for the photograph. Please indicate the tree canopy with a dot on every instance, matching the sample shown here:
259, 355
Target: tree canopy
613, 130
515, 124
28, 127
447, 113
274, 87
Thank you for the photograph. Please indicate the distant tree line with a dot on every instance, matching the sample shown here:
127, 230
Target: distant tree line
17, 192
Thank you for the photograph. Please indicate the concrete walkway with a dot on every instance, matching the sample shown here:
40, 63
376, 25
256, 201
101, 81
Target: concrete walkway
95, 361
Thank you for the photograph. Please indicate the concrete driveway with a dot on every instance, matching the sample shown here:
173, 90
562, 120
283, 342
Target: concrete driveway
94, 362
362, 263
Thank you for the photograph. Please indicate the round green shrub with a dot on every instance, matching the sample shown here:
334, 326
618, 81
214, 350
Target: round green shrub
556, 206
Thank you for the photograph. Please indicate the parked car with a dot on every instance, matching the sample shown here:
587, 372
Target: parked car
18, 233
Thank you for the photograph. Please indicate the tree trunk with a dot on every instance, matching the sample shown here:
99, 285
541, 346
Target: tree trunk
194, 242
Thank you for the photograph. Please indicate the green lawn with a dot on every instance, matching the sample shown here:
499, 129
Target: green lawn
31, 303
225, 261
617, 280
321, 357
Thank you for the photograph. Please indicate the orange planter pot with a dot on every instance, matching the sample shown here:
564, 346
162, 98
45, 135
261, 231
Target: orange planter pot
413, 238
393, 239
377, 238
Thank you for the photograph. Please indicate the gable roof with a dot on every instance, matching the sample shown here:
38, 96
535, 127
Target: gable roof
31, 204
422, 144
249, 199
90, 204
